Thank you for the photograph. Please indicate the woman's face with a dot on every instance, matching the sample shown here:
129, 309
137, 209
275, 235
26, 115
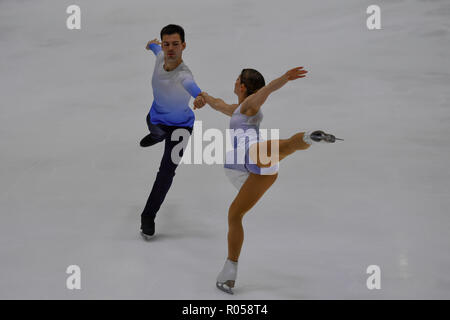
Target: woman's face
237, 86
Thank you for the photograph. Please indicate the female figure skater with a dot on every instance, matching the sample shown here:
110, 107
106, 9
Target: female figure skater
253, 175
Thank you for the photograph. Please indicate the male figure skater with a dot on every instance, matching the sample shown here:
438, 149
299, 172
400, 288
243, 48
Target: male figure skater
173, 85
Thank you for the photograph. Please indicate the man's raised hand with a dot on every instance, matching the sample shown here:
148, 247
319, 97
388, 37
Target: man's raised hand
155, 41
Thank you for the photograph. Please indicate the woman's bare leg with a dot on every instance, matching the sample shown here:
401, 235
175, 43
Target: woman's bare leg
270, 152
251, 191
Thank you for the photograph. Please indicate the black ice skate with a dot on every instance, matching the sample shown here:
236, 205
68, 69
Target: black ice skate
146, 237
147, 229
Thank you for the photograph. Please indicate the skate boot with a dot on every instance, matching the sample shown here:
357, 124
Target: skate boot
319, 136
147, 237
147, 229
227, 277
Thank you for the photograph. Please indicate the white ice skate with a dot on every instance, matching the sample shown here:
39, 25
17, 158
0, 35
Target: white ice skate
227, 277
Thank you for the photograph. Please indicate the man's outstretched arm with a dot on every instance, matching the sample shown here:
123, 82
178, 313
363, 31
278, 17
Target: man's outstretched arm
190, 86
154, 45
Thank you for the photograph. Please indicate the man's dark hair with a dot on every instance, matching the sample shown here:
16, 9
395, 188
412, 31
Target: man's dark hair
172, 29
252, 79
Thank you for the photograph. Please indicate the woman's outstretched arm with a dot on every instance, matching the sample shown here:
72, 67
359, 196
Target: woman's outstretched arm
218, 104
254, 102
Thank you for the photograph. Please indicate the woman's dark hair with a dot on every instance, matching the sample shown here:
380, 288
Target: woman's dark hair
252, 79
172, 29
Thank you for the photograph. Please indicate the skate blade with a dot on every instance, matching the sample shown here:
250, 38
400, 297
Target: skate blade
331, 139
226, 286
146, 237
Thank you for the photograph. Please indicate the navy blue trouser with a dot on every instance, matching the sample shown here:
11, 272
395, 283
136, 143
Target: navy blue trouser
164, 177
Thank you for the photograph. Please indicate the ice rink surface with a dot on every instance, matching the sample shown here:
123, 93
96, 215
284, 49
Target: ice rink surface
73, 179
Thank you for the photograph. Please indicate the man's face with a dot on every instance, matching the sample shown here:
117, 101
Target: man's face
172, 46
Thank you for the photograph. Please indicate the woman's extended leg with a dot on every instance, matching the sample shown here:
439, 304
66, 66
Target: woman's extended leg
268, 153
251, 191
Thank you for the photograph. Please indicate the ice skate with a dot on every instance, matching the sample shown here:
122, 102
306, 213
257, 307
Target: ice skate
319, 136
226, 286
227, 277
322, 136
147, 228
146, 237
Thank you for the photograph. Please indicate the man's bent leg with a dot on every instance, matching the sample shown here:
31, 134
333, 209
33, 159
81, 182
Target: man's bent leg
157, 134
149, 140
